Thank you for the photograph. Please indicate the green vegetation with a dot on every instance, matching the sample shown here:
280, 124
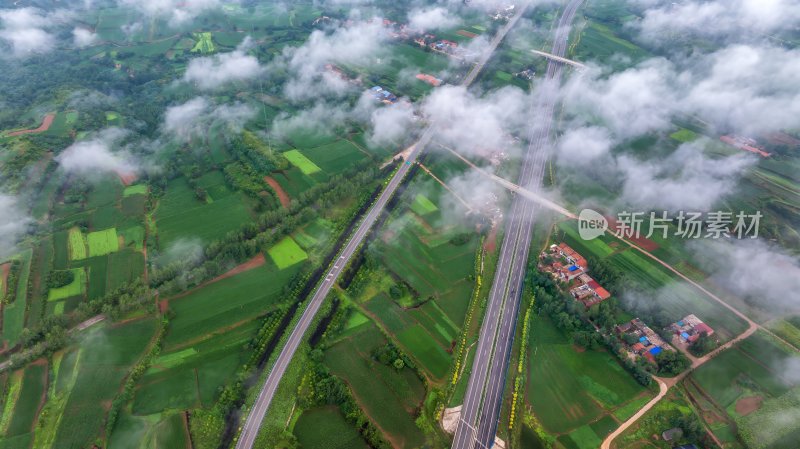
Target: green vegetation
422, 205
77, 244
75, 288
136, 189
299, 160
204, 43
286, 253
102, 242
326, 428
684, 135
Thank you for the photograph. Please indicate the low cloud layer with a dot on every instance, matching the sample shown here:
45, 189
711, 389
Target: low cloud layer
194, 117
176, 12
433, 18
13, 223
83, 37
27, 30
98, 155
212, 72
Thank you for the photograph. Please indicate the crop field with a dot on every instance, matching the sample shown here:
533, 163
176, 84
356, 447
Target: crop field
286, 253
14, 314
75, 288
225, 303
599, 42
204, 43
756, 366
684, 135
333, 157
107, 354
299, 160
158, 431
569, 389
422, 205
123, 267
102, 242
31, 393
389, 397
136, 189
181, 215
294, 182
113, 118
326, 428
77, 244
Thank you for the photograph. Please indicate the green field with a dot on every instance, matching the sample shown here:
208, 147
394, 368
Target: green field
569, 389
102, 242
204, 43
107, 353
299, 160
389, 397
77, 244
136, 189
181, 216
684, 135
326, 428
286, 253
422, 205
26, 407
225, 303
14, 314
331, 158
75, 288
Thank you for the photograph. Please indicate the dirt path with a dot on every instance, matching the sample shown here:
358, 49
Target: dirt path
46, 122
283, 197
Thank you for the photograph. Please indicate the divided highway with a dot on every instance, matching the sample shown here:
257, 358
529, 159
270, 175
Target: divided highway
258, 411
480, 412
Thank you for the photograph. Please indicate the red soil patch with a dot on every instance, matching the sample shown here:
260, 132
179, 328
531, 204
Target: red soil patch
4, 269
748, 405
578, 349
255, 262
48, 120
127, 178
466, 33
283, 197
491, 241
640, 241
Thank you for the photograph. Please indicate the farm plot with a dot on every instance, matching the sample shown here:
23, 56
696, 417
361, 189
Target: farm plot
286, 253
31, 395
326, 428
107, 353
102, 242
136, 189
299, 160
389, 397
75, 288
225, 303
426, 335
204, 43
14, 314
334, 157
158, 431
191, 376
754, 367
569, 389
77, 244
181, 216
422, 205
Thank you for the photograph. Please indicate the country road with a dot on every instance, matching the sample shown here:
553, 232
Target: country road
483, 400
259, 409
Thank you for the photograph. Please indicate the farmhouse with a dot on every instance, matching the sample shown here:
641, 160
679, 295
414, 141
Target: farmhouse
383, 95
566, 265
690, 328
430, 79
746, 144
641, 341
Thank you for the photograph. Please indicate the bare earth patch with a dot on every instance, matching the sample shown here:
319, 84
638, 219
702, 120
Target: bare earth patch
748, 405
283, 197
48, 120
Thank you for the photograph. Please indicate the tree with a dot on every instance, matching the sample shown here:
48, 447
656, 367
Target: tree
703, 345
671, 362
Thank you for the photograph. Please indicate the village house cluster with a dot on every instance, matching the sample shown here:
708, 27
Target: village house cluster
641, 341
566, 265
689, 329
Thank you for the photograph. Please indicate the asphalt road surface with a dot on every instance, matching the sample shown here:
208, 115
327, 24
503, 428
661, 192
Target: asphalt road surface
261, 405
484, 397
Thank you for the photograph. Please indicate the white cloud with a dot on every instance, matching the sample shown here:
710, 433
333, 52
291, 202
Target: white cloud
83, 37
194, 117
176, 12
24, 30
94, 156
583, 145
215, 71
431, 18
13, 223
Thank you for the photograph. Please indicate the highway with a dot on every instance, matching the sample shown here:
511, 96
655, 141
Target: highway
256, 414
480, 412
